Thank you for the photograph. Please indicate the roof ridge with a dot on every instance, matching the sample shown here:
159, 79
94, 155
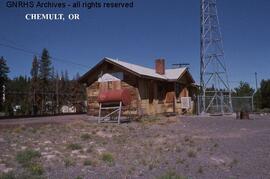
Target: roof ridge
141, 65
170, 74
128, 63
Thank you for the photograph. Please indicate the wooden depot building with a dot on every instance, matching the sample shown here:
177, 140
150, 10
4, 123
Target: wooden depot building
153, 91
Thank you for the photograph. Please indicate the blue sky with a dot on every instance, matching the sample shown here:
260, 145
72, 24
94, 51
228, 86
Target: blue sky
152, 29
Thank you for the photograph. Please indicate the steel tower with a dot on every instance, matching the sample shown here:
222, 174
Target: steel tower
215, 89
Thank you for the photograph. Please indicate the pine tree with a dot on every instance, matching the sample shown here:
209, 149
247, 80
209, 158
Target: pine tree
244, 89
265, 93
45, 68
44, 76
57, 93
34, 85
4, 70
78, 94
20, 86
34, 69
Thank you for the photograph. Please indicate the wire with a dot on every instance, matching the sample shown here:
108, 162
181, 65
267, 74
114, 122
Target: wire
35, 53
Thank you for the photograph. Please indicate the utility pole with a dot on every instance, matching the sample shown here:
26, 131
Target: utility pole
215, 88
257, 100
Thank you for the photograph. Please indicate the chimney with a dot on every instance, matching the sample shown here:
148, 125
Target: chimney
160, 66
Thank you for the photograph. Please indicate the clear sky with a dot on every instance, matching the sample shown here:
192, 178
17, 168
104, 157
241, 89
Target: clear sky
152, 29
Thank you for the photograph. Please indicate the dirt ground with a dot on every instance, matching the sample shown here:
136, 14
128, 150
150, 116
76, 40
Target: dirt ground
184, 147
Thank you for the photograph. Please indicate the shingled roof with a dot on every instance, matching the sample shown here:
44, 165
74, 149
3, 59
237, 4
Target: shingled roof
170, 74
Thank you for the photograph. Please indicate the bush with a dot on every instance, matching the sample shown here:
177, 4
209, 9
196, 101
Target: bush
79, 177
265, 110
9, 175
74, 146
172, 175
68, 162
107, 157
85, 136
200, 170
149, 119
36, 169
191, 154
25, 157
87, 162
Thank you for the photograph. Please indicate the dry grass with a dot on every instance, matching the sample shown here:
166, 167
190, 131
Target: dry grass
145, 149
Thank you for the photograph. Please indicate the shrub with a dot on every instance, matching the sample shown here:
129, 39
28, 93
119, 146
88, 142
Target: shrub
36, 169
25, 157
200, 170
107, 157
68, 162
9, 175
181, 161
74, 146
18, 129
87, 162
191, 154
178, 149
85, 136
172, 175
149, 119
186, 138
32, 130
233, 162
79, 177
265, 110
89, 149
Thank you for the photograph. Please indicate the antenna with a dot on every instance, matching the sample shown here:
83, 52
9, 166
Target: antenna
180, 65
215, 89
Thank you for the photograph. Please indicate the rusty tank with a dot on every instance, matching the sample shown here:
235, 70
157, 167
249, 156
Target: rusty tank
111, 96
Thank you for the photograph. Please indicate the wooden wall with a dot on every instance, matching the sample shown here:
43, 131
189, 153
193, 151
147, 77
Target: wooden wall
149, 97
94, 89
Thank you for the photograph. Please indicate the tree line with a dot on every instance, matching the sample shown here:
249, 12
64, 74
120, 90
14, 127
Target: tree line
44, 92
261, 96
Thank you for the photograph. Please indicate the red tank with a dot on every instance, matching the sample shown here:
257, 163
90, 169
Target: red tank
115, 96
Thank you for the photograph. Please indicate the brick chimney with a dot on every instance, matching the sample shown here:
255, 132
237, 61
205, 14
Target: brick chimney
160, 66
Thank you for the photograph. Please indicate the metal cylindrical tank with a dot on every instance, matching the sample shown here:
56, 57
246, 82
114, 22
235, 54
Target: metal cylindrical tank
115, 96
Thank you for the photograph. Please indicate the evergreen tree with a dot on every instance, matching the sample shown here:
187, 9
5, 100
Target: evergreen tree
244, 89
34, 86
78, 94
44, 77
265, 93
66, 76
34, 69
19, 97
57, 79
4, 70
45, 68
258, 99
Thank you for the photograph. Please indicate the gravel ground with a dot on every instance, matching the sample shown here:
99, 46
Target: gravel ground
188, 147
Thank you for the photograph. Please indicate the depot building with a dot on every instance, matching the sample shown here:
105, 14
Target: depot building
153, 90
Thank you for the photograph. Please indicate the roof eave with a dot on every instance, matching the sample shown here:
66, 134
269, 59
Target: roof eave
186, 71
83, 78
